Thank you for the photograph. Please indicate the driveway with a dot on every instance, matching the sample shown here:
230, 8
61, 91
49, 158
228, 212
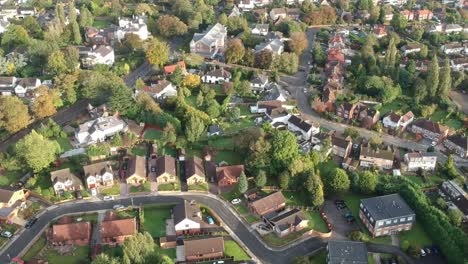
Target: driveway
339, 224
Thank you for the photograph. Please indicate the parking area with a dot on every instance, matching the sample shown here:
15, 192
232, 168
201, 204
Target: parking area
340, 225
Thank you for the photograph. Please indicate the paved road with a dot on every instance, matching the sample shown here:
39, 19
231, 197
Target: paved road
62, 117
263, 254
143, 71
461, 99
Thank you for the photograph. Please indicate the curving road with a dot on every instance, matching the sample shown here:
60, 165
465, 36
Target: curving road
248, 238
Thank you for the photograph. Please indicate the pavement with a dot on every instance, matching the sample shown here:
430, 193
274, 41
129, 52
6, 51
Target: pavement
232, 223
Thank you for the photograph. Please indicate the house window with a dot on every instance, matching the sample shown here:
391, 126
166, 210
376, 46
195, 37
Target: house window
379, 223
187, 225
372, 219
388, 222
410, 218
385, 231
395, 221
402, 219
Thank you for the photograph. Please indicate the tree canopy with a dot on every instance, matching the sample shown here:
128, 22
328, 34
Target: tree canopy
36, 151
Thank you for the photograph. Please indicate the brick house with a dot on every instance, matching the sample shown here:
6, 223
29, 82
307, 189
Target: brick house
65, 181
228, 175
288, 222
341, 147
98, 175
347, 111
10, 200
379, 158
114, 232
458, 144
274, 202
424, 161
430, 129
368, 117
210, 42
78, 234
386, 215
204, 249
396, 121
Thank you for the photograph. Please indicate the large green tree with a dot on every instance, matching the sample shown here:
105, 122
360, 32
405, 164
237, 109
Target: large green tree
243, 184
235, 51
36, 151
337, 181
14, 36
105, 259
138, 248
14, 114
122, 99
284, 148
56, 63
314, 186
367, 182
157, 52
432, 80
194, 128
445, 83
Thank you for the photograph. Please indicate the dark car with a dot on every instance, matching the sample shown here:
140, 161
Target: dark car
337, 202
30, 223
350, 219
341, 206
435, 250
78, 195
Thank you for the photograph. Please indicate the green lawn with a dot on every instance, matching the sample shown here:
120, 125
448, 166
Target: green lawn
64, 143
145, 187
295, 198
231, 248
35, 249
231, 157
116, 252
114, 190
438, 115
273, 240
155, 219
244, 110
251, 218
7, 227
221, 142
327, 167
454, 123
101, 23
198, 187
398, 105
416, 236
240, 124
170, 252
320, 257
169, 187
139, 151
80, 255
9, 177
153, 134
88, 217
316, 221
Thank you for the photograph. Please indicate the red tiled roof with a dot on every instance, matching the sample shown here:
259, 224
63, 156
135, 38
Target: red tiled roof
171, 68
116, 228
74, 231
231, 172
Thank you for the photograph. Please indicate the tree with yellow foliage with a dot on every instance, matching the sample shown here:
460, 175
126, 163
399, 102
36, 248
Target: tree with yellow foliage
191, 81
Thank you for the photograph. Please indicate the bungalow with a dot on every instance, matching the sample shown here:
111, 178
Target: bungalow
246, 5
260, 29
453, 28
76, 234
160, 90
65, 181
169, 69
98, 175
459, 64
210, 42
306, 129
134, 25
136, 171
458, 144
411, 48
430, 129
271, 203
204, 249
95, 56
114, 232
229, 175
416, 161
454, 48
395, 121
381, 159
259, 82
10, 200
26, 85
165, 170
194, 171
288, 222
217, 76
187, 218
341, 147
276, 46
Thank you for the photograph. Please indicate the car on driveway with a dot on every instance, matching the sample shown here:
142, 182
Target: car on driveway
423, 253
6, 234
108, 198
210, 220
236, 201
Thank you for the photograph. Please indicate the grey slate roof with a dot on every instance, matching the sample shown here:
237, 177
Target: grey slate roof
186, 210
285, 220
347, 252
387, 207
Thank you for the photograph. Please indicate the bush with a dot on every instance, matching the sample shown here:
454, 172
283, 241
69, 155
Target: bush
404, 245
68, 195
414, 251
358, 236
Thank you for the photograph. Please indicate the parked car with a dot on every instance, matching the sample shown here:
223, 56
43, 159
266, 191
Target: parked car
236, 201
210, 220
78, 195
30, 223
6, 234
423, 253
108, 198
435, 250
341, 206
428, 250
337, 202
118, 207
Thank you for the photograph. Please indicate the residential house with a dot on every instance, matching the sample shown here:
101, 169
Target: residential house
229, 175
368, 117
271, 203
97, 55
411, 48
386, 215
18, 86
235, 12
65, 181
4, 23
453, 28
210, 42
341, 147
98, 130
407, 14
187, 218
274, 92
380, 31
459, 64
455, 48
258, 83
76, 234
260, 14
379, 158
136, 170
98, 175
345, 251
246, 5
415, 161
277, 13
160, 90
457, 144
164, 169
169, 69
194, 171
260, 29
430, 129
396, 121
135, 25
455, 194
288, 222
114, 232
217, 76
10, 200
303, 127
423, 14
348, 111
204, 249
276, 46
105, 36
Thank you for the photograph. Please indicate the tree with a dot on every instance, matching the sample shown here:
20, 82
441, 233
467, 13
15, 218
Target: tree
284, 180
117, 140
176, 76
169, 133
169, 26
441, 203
36, 151
147, 103
243, 185
455, 215
391, 55
261, 179
289, 63
138, 248
314, 186
105, 259
351, 132
432, 80
337, 181
72, 57
243, 88
32, 26
86, 18
191, 81
56, 63
383, 87
194, 128
445, 83
122, 99
233, 113
132, 42
263, 59
367, 182
14, 114
144, 8
223, 19
14, 36
284, 148
319, 55
399, 22
71, 11
298, 42
60, 13
419, 90
157, 52
375, 142
237, 24
235, 51
44, 104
